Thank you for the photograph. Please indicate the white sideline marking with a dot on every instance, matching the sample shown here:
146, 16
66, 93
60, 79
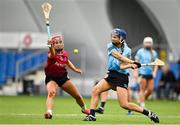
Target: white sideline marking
86, 123
67, 115
93, 124
89, 124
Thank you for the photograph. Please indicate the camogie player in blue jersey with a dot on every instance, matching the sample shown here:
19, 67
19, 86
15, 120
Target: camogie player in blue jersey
147, 73
104, 95
117, 78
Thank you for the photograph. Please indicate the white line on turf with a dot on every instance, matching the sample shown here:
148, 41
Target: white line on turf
93, 124
67, 115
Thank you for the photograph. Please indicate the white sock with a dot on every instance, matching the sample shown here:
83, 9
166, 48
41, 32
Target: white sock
142, 104
149, 115
101, 108
50, 111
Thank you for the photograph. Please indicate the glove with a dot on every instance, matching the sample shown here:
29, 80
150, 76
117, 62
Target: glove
132, 67
137, 63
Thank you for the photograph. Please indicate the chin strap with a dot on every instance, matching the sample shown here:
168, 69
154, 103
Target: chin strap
122, 46
114, 44
122, 41
58, 50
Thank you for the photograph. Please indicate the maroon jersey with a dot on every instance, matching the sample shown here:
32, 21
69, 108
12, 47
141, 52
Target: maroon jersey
56, 66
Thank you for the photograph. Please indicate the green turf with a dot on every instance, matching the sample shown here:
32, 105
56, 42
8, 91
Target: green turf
30, 110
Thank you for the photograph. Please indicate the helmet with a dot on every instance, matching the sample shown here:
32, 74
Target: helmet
55, 38
119, 32
148, 40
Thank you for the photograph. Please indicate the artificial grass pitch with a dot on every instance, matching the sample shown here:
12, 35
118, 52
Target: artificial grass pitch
30, 110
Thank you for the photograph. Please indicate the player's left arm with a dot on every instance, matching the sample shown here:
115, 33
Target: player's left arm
155, 67
72, 67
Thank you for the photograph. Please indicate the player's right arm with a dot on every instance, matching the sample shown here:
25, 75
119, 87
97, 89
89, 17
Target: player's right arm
119, 56
122, 58
128, 65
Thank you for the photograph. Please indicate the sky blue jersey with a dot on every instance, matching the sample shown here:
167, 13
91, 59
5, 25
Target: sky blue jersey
144, 56
113, 63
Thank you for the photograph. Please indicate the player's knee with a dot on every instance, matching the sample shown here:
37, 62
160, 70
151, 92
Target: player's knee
51, 93
148, 94
150, 90
141, 91
95, 91
124, 105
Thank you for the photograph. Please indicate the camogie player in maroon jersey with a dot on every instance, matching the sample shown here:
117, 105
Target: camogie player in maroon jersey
57, 76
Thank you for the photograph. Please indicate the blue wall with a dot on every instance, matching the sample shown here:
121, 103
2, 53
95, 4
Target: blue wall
8, 61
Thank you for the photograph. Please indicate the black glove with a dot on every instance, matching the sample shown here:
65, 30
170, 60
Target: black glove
132, 67
137, 63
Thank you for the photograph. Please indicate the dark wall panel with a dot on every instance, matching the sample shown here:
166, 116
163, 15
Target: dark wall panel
129, 15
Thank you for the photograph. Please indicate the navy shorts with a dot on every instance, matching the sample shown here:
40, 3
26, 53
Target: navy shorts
116, 79
148, 77
59, 80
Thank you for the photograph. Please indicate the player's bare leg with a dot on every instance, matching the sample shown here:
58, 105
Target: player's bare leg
51, 89
150, 87
129, 95
71, 89
129, 100
122, 94
104, 96
143, 84
102, 86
